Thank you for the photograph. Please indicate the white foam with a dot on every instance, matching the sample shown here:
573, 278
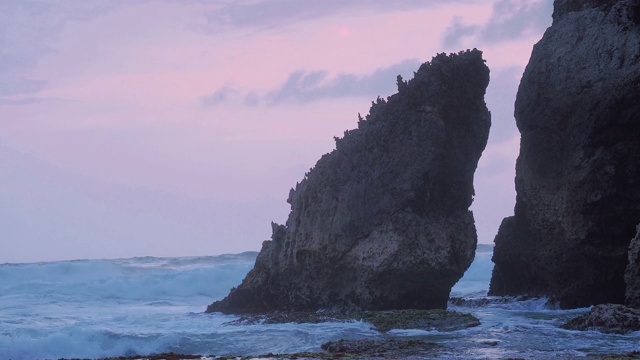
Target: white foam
145, 278
476, 279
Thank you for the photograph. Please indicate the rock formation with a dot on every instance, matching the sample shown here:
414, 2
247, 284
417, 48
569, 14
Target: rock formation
632, 276
383, 221
577, 175
607, 318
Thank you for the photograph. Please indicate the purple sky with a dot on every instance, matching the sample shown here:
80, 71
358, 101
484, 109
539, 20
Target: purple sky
177, 127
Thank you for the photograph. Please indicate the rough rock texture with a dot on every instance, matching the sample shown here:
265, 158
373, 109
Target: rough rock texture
577, 175
608, 318
383, 221
632, 276
382, 348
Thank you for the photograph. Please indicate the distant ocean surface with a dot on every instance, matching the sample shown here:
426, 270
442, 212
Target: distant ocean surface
102, 308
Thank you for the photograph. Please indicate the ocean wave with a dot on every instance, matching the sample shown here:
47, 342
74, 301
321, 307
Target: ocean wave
103, 308
146, 278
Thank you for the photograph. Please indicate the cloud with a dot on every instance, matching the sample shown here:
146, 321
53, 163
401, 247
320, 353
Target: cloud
510, 20
29, 29
251, 99
303, 86
219, 96
274, 13
13, 85
25, 101
457, 30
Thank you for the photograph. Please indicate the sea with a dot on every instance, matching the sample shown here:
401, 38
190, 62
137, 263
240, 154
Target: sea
147, 305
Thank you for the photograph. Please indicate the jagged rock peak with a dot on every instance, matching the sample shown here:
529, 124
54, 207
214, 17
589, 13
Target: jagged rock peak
577, 175
383, 221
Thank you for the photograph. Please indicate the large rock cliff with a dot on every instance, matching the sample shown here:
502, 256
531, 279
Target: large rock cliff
383, 221
578, 173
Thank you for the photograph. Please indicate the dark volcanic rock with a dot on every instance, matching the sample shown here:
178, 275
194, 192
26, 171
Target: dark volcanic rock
608, 318
632, 276
577, 176
383, 221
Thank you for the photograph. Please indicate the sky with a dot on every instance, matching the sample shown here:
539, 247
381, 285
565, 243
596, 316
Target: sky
177, 127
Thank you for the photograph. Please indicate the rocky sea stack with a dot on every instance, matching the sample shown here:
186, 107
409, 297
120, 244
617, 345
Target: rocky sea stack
383, 221
578, 173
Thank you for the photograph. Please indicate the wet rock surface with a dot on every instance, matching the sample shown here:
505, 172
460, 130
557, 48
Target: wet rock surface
383, 221
577, 175
607, 318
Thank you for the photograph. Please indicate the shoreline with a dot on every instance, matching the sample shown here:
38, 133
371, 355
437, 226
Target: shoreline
389, 346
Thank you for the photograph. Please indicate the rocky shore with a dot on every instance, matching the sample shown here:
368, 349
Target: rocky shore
391, 345
409, 349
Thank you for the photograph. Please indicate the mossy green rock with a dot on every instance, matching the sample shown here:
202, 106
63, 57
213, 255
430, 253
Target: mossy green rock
440, 320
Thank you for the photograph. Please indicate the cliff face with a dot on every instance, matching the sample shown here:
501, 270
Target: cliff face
382, 222
578, 173
632, 276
